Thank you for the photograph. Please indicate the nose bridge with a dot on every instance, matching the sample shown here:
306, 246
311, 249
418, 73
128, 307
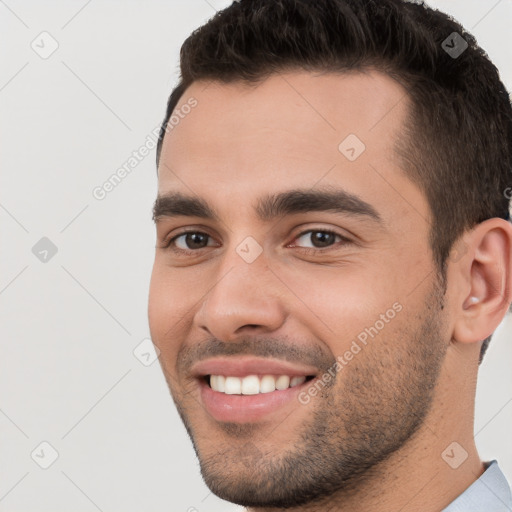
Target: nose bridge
245, 293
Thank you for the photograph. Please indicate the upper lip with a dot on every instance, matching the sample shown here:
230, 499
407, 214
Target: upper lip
243, 366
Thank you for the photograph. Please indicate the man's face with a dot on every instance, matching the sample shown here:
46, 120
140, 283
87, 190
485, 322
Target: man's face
341, 300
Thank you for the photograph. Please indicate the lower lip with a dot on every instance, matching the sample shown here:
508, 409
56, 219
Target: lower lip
248, 408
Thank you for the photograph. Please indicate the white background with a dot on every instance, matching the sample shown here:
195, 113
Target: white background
69, 326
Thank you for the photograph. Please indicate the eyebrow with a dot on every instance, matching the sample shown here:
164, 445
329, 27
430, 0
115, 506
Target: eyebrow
269, 207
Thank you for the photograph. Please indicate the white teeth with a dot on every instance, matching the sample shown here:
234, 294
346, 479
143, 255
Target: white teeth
252, 384
233, 386
295, 381
283, 382
221, 383
267, 384
217, 382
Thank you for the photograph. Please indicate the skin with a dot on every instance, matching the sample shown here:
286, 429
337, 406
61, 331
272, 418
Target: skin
374, 438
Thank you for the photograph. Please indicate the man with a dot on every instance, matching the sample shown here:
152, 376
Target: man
334, 254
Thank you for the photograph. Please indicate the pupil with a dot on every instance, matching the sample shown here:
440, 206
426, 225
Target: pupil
195, 240
324, 238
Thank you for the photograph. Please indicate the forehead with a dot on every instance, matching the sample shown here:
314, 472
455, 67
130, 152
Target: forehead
291, 130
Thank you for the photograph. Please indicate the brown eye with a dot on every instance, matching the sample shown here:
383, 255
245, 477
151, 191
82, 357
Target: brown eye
188, 242
194, 240
319, 239
322, 238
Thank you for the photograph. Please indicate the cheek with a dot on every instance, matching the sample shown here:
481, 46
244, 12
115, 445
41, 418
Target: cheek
340, 304
338, 300
169, 309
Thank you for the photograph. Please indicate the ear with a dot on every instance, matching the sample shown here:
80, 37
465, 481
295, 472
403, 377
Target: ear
484, 276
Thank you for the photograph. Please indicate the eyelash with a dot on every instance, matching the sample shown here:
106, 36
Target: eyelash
169, 242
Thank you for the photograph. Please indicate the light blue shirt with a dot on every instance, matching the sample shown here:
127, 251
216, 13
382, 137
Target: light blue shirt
490, 493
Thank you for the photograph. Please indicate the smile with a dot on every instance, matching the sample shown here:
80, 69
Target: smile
248, 389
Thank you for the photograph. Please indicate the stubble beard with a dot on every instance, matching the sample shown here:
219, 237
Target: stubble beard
374, 405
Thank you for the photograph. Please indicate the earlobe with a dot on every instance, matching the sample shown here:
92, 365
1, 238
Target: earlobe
487, 267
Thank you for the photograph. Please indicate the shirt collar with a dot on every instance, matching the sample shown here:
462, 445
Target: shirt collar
491, 492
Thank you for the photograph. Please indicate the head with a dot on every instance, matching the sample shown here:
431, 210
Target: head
349, 119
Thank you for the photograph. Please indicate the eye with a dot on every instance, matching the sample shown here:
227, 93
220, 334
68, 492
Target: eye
187, 242
320, 239
190, 242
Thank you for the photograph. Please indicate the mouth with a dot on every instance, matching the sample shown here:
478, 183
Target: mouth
246, 390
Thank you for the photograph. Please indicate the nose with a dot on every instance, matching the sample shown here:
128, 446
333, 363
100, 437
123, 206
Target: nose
245, 299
